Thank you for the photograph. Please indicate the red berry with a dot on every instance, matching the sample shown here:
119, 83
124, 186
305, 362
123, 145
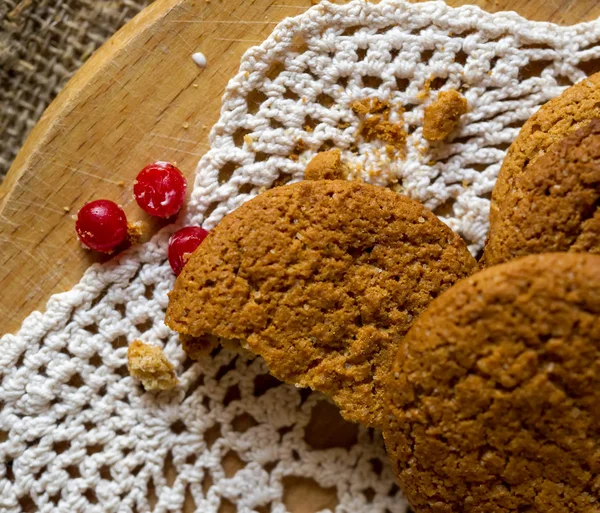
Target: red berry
159, 189
101, 225
182, 244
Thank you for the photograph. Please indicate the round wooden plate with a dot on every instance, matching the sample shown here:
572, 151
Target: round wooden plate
142, 98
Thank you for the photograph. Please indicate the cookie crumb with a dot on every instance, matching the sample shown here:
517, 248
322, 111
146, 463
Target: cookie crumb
376, 124
326, 165
67, 209
150, 365
298, 149
443, 115
378, 128
135, 232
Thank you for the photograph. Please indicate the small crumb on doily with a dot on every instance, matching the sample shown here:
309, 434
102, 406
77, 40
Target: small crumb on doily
298, 149
443, 115
376, 124
150, 365
326, 165
135, 232
199, 59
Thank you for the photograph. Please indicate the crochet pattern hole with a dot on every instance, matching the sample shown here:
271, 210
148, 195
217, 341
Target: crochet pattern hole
291, 95
212, 435
75, 381
377, 465
350, 31
149, 291
232, 463
590, 67
246, 188
226, 172
254, 100
239, 136
371, 81
264, 382
304, 491
189, 504
152, 498
26, 504
446, 208
325, 100
461, 57
243, 423
402, 83
119, 342
426, 55
90, 495
233, 394
274, 70
178, 427
207, 483
227, 506
169, 470
326, 428
534, 69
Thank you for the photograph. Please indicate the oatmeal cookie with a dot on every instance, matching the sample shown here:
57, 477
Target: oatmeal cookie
492, 402
553, 204
322, 279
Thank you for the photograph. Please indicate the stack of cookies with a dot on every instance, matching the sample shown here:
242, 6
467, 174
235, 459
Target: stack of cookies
486, 384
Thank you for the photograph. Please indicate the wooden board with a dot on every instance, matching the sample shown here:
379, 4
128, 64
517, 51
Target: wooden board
133, 102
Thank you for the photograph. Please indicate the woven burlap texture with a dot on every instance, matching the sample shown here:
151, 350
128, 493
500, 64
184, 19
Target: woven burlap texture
42, 43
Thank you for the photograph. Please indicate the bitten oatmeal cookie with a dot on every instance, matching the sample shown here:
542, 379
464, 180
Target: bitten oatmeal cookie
150, 365
553, 204
442, 117
493, 398
322, 279
326, 165
573, 109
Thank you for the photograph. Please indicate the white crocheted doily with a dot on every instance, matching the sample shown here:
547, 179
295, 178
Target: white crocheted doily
78, 434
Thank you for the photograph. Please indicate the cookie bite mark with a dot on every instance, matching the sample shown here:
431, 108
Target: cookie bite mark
322, 279
150, 365
492, 405
442, 117
326, 165
553, 204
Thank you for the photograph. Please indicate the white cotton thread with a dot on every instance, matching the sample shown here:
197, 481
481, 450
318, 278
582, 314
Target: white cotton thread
69, 406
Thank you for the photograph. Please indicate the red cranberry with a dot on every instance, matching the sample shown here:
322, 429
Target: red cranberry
182, 244
159, 189
101, 225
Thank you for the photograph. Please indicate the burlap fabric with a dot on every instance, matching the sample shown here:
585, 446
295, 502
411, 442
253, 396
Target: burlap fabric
42, 43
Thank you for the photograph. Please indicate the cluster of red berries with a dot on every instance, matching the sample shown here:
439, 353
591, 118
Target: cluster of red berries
159, 190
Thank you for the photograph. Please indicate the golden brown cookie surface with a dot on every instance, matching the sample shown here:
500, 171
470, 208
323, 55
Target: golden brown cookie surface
559, 117
493, 401
322, 279
554, 203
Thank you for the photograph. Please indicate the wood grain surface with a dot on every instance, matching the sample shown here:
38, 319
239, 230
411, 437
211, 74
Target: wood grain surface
133, 102
136, 101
